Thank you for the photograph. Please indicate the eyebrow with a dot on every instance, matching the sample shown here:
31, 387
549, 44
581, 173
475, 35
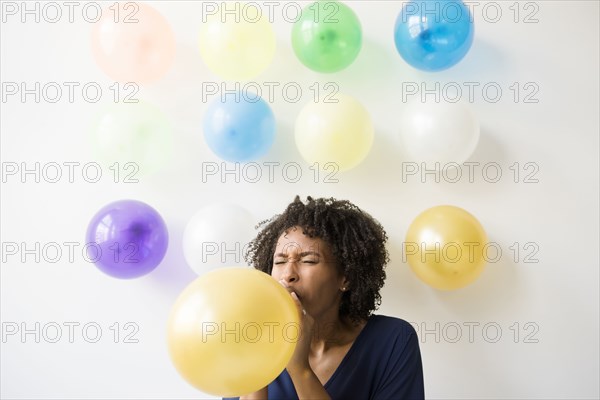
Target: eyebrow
303, 254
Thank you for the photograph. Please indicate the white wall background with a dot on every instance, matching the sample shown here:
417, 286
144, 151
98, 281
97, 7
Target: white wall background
547, 311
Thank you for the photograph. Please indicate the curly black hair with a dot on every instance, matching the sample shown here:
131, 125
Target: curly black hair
356, 239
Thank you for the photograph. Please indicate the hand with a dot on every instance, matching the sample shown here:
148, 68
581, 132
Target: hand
299, 361
305, 380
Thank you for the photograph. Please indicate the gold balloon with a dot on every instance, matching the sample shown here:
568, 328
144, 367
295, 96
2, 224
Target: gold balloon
232, 331
446, 247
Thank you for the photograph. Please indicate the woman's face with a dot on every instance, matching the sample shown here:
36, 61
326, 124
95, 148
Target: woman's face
308, 268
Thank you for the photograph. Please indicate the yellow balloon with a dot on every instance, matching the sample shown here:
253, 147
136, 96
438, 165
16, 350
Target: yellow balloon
340, 133
446, 247
237, 41
232, 331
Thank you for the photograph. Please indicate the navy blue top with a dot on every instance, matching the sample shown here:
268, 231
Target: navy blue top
383, 363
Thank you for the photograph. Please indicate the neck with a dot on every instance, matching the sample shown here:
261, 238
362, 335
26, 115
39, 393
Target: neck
332, 331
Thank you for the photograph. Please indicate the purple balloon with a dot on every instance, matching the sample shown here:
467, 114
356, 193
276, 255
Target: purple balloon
127, 239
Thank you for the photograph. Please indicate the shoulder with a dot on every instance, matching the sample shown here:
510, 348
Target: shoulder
388, 334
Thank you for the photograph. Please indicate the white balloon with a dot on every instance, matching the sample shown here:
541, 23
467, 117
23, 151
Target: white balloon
443, 133
217, 236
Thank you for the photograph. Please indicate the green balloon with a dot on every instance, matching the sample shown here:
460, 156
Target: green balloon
327, 37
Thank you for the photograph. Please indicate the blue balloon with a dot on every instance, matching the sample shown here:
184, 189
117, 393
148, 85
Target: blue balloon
240, 127
433, 35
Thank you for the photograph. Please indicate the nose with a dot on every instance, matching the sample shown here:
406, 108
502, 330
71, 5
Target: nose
289, 273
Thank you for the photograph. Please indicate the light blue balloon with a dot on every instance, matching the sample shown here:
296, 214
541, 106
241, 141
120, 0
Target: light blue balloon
433, 35
240, 127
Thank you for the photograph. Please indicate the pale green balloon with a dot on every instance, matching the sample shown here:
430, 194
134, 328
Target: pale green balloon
137, 133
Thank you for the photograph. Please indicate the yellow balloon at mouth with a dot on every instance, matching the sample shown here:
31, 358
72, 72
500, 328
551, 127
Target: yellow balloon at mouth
237, 41
446, 247
340, 133
232, 331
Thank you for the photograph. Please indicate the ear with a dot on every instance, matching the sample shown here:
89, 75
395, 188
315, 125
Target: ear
345, 284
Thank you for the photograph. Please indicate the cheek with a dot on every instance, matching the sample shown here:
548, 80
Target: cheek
315, 280
275, 273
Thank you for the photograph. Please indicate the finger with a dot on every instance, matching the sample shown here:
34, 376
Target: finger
296, 299
298, 303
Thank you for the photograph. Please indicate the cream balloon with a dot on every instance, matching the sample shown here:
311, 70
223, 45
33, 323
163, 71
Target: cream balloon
234, 46
217, 236
340, 133
133, 42
444, 133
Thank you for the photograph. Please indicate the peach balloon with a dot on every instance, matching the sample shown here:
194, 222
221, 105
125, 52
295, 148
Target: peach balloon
133, 42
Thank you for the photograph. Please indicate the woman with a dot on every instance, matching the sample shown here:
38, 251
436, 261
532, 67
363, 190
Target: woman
330, 256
